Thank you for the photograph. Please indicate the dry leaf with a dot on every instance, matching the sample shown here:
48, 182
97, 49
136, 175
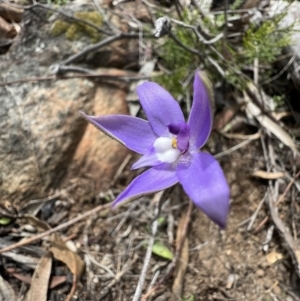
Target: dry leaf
19, 275
273, 257
268, 175
33, 207
224, 117
250, 4
34, 221
40, 280
57, 280
280, 115
54, 281
185, 3
61, 252
266, 121
6, 292
58, 247
241, 136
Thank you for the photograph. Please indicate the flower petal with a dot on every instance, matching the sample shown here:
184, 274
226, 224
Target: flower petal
148, 159
204, 182
182, 131
200, 119
175, 128
135, 133
160, 107
153, 180
183, 138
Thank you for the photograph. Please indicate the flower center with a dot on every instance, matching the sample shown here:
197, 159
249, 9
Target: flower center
166, 149
174, 143
182, 132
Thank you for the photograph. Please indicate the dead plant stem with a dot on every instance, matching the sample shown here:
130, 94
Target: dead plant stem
179, 245
139, 288
287, 189
97, 46
60, 227
61, 77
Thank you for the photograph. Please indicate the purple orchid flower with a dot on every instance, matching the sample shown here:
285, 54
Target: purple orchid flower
170, 146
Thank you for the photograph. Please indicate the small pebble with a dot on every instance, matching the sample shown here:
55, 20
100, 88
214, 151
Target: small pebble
47, 209
71, 246
97, 248
61, 203
29, 228
228, 252
277, 290
268, 283
231, 280
260, 273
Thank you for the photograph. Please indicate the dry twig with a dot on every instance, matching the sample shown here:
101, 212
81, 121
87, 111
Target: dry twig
59, 227
292, 245
138, 291
96, 75
287, 189
179, 246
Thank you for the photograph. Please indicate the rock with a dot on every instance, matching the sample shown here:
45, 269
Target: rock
134, 8
39, 135
97, 155
10, 15
7, 31
231, 280
40, 129
44, 142
260, 273
11, 12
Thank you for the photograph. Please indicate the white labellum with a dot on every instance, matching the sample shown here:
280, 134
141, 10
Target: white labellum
164, 150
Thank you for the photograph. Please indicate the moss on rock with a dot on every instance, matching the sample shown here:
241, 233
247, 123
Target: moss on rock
73, 30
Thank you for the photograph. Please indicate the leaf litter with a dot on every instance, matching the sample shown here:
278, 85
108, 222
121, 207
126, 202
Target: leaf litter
40, 280
215, 256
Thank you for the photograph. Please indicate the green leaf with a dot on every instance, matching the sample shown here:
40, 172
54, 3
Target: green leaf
162, 251
161, 220
5, 221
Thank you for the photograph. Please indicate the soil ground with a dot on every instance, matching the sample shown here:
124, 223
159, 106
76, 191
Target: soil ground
234, 264
223, 264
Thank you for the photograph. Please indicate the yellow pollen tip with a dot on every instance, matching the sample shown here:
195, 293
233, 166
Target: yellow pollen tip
174, 143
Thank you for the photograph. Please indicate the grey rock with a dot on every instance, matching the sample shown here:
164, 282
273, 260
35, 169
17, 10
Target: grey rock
40, 128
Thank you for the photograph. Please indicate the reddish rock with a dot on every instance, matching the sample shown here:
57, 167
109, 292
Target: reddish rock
11, 12
7, 31
97, 156
43, 143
